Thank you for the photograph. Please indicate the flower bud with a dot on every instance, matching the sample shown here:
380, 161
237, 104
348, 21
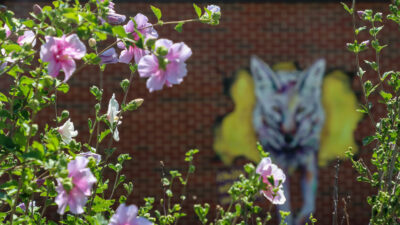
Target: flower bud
40, 182
108, 57
64, 114
37, 9
361, 14
50, 31
138, 102
366, 43
115, 18
162, 51
67, 184
3, 8
92, 42
124, 84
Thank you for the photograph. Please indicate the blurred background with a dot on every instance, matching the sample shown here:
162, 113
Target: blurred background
285, 35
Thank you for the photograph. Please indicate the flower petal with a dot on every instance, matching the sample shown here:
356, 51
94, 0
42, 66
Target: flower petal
163, 42
76, 165
179, 51
76, 48
46, 54
147, 66
68, 67
129, 27
53, 68
76, 201
62, 198
175, 72
155, 83
126, 55
84, 180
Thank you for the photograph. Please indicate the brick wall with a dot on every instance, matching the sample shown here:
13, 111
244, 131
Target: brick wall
176, 119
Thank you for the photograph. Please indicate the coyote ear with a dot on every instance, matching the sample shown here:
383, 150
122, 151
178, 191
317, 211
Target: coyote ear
262, 73
311, 79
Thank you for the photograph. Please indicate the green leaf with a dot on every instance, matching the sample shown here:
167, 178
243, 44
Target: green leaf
122, 199
372, 64
178, 27
103, 135
386, 74
197, 9
12, 48
3, 98
63, 88
368, 140
101, 205
349, 10
119, 31
156, 11
29, 23
92, 58
72, 15
129, 187
386, 96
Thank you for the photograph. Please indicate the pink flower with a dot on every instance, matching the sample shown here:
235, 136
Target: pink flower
8, 31
145, 28
170, 71
127, 215
82, 180
269, 171
27, 38
60, 54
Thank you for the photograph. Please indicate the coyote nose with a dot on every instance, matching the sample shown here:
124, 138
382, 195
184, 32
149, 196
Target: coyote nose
288, 138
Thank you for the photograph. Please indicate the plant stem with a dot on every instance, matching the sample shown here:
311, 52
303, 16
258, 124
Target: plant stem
358, 64
114, 187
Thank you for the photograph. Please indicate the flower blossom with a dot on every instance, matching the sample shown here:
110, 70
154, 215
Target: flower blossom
60, 54
148, 32
82, 181
269, 171
170, 70
7, 59
22, 205
28, 37
67, 131
127, 215
214, 8
8, 31
109, 56
112, 116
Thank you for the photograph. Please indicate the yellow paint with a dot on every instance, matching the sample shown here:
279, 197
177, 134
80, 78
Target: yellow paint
341, 118
236, 136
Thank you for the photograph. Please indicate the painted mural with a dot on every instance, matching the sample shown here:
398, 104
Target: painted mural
303, 118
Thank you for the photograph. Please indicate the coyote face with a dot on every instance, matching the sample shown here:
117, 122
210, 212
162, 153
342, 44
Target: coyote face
288, 116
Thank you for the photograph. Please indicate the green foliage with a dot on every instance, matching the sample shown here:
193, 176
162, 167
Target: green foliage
34, 160
384, 174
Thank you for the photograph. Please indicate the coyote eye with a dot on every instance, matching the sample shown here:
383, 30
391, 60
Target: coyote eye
300, 109
276, 109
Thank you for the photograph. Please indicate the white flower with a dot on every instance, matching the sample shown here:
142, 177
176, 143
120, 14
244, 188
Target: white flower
67, 131
112, 117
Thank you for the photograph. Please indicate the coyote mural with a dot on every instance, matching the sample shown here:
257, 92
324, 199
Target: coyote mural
288, 119
303, 118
